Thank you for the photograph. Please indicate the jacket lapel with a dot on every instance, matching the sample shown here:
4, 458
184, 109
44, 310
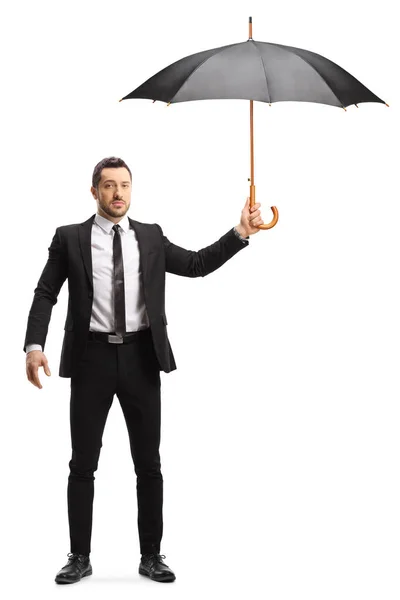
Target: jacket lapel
85, 238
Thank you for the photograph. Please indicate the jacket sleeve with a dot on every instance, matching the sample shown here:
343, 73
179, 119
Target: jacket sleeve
45, 294
191, 263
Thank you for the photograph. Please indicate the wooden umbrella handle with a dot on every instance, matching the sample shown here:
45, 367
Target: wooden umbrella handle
273, 208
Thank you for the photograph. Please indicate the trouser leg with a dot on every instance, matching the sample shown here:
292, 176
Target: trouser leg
91, 398
139, 393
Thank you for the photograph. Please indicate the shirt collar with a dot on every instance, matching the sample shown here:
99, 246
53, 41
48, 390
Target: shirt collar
107, 225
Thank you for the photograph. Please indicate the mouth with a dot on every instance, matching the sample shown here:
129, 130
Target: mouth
118, 203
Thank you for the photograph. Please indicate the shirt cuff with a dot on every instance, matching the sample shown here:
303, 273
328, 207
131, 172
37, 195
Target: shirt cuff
239, 236
31, 347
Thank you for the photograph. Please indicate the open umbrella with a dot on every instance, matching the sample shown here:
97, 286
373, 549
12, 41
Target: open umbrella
258, 71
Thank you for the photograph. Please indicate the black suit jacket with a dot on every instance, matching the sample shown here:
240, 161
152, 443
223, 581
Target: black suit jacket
70, 257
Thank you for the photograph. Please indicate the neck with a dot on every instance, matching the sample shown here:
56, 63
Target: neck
106, 216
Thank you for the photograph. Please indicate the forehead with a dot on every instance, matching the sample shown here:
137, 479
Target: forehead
115, 173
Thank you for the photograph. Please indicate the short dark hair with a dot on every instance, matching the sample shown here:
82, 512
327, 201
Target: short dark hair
109, 162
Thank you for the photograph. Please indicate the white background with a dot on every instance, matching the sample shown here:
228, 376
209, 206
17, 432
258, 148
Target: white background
280, 426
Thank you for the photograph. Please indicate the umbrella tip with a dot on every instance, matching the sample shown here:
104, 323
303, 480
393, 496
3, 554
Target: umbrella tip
386, 104
153, 101
344, 108
356, 105
168, 103
120, 100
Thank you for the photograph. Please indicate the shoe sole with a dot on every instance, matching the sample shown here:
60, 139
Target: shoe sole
62, 581
165, 580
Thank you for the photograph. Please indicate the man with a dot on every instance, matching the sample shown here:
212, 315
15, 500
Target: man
116, 342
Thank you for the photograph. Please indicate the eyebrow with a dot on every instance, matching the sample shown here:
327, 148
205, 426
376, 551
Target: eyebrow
113, 181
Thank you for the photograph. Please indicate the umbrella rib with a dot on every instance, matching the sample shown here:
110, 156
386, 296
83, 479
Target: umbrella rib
199, 65
310, 65
265, 72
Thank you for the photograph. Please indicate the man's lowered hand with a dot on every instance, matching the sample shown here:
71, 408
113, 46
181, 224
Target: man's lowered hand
34, 360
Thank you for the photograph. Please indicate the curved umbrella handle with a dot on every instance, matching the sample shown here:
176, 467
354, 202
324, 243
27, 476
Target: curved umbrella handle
273, 208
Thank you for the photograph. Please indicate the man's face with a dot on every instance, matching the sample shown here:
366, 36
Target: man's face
114, 185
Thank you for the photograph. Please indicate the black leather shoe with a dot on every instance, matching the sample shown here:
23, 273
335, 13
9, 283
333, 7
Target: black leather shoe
153, 566
78, 566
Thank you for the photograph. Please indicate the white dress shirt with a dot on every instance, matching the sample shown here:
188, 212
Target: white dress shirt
102, 317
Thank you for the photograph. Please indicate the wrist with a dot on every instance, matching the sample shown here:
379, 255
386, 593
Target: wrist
241, 230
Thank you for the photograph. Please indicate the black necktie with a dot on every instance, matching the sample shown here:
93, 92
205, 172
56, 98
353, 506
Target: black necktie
119, 285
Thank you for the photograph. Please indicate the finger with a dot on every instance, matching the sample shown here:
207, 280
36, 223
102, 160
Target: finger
46, 368
254, 218
29, 376
35, 377
254, 222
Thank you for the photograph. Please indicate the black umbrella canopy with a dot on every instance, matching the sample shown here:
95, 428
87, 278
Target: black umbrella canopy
255, 70
259, 71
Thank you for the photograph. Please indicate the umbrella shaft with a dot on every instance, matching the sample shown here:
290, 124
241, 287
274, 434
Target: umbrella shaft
252, 186
251, 144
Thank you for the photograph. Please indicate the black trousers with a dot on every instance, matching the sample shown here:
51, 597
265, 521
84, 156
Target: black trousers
131, 371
